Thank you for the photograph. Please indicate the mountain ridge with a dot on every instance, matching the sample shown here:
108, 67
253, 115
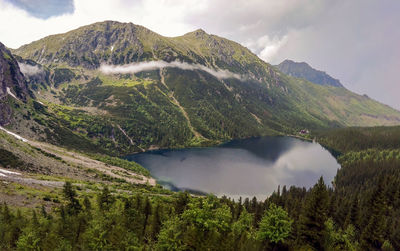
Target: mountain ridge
172, 106
123, 43
305, 71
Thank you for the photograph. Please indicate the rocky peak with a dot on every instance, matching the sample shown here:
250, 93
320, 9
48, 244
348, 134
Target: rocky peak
12, 81
200, 32
305, 71
116, 43
90, 45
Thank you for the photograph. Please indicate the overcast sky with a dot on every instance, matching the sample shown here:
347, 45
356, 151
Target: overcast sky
356, 41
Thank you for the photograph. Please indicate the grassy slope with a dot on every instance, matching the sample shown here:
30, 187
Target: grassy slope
144, 109
133, 112
44, 168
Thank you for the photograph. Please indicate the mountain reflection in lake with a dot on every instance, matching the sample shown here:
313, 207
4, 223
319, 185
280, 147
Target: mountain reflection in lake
247, 168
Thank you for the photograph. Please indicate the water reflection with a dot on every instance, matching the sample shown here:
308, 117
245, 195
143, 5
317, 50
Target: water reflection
247, 168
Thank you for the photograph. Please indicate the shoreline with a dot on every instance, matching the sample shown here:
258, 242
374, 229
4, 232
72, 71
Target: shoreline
218, 143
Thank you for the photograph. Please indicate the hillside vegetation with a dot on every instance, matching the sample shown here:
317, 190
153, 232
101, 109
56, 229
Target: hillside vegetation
172, 107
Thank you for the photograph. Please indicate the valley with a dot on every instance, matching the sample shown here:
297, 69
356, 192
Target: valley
182, 107
199, 113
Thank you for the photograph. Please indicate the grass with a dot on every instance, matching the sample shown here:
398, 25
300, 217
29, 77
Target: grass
124, 82
6, 56
125, 164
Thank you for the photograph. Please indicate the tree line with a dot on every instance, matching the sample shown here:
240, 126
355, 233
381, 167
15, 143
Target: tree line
290, 219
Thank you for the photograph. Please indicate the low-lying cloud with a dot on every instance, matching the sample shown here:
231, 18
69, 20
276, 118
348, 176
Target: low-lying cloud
154, 65
29, 70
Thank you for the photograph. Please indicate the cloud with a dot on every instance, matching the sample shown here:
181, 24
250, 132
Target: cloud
154, 65
360, 48
29, 70
267, 48
44, 8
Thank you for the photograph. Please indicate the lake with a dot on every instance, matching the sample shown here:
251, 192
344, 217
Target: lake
246, 168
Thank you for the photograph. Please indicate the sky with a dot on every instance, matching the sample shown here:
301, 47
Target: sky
356, 41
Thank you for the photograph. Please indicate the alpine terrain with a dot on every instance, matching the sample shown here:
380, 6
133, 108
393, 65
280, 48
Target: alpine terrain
124, 88
74, 105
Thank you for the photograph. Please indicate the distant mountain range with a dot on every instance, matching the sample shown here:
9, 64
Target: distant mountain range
305, 71
121, 88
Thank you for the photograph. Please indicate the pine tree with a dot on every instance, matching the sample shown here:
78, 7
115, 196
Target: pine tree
5, 223
353, 214
372, 234
147, 213
155, 223
246, 205
181, 202
87, 204
73, 206
312, 220
105, 200
238, 208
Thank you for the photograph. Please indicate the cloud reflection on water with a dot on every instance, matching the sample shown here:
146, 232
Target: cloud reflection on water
247, 168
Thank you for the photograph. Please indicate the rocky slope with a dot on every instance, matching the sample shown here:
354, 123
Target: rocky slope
305, 71
12, 85
122, 43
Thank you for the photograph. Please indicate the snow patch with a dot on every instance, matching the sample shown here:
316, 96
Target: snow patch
13, 134
11, 94
3, 172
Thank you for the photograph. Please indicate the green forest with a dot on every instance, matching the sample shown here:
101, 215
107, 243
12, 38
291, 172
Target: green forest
359, 211
291, 219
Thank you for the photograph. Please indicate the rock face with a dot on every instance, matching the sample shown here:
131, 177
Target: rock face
305, 71
36, 75
123, 43
12, 83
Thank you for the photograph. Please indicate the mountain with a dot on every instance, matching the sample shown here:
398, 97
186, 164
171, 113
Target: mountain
122, 43
113, 88
122, 88
305, 71
12, 85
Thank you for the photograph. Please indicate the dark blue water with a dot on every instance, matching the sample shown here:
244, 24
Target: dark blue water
247, 168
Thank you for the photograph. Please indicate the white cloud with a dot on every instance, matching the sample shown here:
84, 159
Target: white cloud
29, 70
267, 48
153, 65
